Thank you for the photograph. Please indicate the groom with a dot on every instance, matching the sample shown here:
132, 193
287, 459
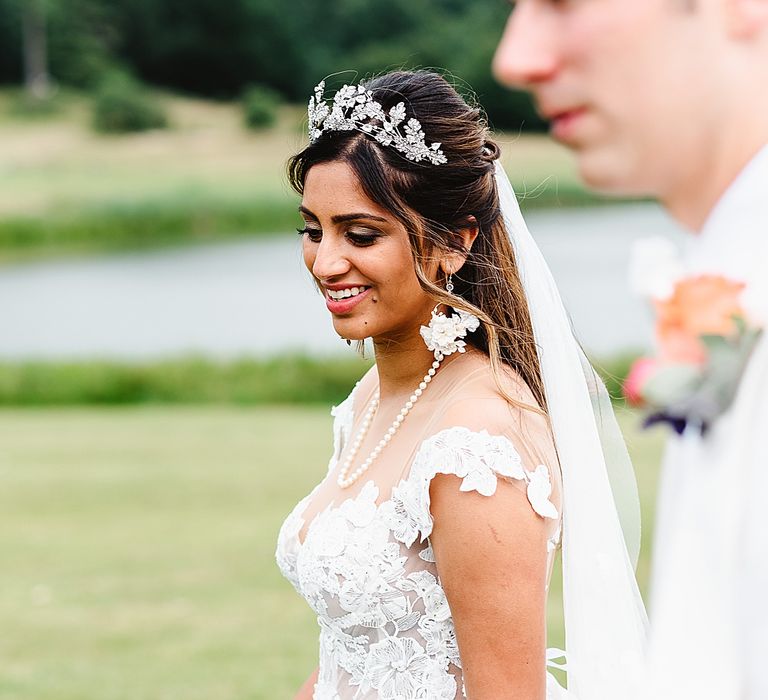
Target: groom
669, 99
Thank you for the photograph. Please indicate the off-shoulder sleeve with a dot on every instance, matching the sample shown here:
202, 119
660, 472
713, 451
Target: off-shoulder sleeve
479, 460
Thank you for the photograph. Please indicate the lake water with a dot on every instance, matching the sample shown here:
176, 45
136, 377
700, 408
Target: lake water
255, 297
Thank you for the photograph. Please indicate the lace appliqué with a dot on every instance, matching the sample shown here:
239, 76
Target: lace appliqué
386, 630
288, 538
478, 459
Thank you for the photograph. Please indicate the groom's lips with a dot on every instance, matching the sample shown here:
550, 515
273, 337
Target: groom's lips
564, 122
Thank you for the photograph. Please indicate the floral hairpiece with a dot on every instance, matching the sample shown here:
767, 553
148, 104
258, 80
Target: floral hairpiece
354, 109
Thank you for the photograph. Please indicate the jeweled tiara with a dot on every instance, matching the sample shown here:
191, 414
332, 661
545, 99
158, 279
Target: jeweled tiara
354, 108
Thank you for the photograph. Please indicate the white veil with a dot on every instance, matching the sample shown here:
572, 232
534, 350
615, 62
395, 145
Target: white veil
605, 620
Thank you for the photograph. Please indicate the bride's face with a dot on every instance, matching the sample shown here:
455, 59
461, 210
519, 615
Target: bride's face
361, 258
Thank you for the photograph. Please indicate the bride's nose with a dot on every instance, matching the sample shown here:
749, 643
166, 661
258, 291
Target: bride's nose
329, 260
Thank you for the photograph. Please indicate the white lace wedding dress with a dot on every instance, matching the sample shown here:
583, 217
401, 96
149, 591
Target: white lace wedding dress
365, 564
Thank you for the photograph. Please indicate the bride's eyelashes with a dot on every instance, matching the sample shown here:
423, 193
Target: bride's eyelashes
358, 237
363, 237
314, 234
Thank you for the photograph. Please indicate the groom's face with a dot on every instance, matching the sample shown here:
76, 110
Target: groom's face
620, 81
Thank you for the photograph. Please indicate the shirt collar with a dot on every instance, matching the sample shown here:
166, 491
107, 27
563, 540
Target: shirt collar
737, 227
734, 240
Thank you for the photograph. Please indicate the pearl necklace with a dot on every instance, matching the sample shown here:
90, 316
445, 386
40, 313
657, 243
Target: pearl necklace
347, 477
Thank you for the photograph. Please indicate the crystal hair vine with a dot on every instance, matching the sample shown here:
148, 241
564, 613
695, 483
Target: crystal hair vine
354, 108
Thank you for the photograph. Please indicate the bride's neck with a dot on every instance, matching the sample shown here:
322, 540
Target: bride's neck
401, 365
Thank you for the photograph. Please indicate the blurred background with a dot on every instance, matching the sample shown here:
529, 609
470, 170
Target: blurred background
165, 365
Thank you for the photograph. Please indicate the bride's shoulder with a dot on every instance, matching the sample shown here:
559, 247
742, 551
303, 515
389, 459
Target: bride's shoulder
483, 397
490, 434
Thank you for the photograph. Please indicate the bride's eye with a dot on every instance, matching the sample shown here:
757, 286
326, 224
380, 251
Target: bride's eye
313, 233
363, 237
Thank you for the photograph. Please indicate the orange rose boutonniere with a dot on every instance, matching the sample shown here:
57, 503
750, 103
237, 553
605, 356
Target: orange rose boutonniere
705, 338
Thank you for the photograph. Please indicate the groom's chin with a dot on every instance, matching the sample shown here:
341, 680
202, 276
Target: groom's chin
611, 175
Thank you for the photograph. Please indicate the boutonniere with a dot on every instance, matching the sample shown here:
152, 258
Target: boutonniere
704, 337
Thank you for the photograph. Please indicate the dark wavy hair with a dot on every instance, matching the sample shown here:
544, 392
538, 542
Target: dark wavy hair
436, 202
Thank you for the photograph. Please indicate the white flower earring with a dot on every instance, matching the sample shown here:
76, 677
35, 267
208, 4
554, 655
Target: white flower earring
444, 334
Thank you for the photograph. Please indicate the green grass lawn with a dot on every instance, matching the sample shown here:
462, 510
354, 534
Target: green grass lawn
137, 550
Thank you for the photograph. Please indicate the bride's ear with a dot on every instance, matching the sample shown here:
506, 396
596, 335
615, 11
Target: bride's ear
453, 261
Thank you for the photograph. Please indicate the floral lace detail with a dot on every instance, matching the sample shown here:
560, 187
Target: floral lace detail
478, 459
386, 629
288, 542
288, 538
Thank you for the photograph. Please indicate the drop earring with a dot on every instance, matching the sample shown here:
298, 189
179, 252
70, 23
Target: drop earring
444, 334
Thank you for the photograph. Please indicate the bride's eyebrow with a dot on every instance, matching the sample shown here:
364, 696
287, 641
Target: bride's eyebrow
308, 213
344, 218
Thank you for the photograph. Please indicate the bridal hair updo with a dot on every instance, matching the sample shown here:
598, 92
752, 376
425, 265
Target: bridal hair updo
435, 202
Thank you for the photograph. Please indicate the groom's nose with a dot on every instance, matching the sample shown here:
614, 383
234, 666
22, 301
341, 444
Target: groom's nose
526, 54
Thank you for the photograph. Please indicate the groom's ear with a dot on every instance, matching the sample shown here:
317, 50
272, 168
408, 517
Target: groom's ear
746, 19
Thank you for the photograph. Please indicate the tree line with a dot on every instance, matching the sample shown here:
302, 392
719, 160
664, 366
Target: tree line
216, 49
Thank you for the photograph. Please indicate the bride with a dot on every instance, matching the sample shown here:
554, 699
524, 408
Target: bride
478, 444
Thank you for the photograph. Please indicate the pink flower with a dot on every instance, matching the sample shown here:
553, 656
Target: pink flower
641, 371
707, 304
704, 336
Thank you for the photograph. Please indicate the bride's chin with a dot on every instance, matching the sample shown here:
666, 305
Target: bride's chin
349, 331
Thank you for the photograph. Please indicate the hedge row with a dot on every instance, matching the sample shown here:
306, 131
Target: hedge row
292, 379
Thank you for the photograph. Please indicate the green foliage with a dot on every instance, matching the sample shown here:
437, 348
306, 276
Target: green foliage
285, 379
10, 41
216, 49
123, 105
614, 371
288, 379
81, 37
260, 106
23, 106
143, 224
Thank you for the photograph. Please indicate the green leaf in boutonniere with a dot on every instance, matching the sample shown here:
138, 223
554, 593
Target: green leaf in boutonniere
671, 384
705, 341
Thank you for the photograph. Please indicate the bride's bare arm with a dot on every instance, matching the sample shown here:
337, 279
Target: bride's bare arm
491, 556
307, 690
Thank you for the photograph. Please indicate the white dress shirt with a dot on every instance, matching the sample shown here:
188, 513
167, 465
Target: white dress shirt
709, 604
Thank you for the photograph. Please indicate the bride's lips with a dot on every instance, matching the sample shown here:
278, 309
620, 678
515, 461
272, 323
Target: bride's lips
344, 306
